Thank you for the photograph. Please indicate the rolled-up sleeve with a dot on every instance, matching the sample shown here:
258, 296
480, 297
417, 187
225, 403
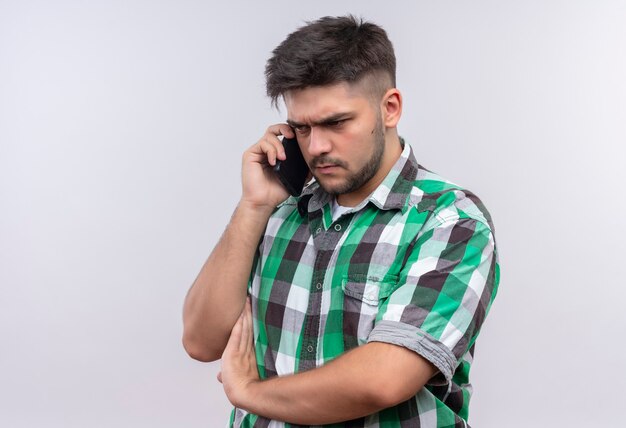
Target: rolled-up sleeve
444, 293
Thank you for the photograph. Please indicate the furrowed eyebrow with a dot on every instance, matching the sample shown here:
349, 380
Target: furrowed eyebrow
334, 118
323, 122
294, 124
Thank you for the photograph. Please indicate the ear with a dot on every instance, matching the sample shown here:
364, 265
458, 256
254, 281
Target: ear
391, 108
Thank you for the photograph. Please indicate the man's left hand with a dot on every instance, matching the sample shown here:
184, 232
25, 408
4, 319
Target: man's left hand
239, 370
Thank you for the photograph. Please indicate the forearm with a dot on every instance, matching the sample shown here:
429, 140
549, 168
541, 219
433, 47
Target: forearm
359, 383
316, 397
218, 294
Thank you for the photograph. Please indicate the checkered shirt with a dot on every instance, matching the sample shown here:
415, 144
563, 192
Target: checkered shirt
413, 265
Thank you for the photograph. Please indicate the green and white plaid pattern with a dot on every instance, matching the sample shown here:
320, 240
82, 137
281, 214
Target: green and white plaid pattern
413, 265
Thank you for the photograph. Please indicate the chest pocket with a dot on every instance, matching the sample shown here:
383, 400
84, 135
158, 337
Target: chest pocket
362, 298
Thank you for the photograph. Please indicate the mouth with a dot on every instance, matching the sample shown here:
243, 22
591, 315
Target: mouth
326, 165
327, 168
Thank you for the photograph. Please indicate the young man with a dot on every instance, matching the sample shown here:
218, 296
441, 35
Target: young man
367, 292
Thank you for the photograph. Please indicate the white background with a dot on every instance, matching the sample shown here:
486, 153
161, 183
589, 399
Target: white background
121, 129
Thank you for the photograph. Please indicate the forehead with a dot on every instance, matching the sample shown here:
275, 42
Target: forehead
317, 102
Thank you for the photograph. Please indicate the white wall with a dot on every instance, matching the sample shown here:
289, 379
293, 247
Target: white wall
121, 129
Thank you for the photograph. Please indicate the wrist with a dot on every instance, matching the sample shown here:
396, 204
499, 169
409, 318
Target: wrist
255, 210
247, 396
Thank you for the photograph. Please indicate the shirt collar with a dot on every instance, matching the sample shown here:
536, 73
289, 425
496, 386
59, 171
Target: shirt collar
392, 193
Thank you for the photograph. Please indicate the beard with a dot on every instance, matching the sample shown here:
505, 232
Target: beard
357, 179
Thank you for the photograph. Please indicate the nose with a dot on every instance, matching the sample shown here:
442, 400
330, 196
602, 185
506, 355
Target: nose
319, 144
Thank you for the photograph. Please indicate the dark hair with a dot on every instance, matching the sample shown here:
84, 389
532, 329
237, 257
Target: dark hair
330, 50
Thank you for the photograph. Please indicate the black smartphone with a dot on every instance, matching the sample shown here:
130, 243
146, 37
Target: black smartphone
293, 171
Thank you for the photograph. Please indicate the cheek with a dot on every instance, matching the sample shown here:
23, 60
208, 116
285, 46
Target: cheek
358, 143
362, 132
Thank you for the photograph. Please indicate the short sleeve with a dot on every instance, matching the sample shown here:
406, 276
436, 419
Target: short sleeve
444, 292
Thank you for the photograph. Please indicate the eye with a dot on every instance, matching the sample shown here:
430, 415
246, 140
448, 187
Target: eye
302, 129
335, 123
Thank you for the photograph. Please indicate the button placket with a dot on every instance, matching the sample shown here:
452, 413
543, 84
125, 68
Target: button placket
325, 242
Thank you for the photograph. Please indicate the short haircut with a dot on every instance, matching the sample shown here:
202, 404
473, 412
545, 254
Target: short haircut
328, 51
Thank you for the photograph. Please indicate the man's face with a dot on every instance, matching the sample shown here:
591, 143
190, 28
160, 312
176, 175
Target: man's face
340, 133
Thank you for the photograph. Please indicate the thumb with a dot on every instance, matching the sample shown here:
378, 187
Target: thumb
219, 377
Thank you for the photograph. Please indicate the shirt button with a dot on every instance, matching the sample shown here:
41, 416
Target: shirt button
318, 286
309, 348
319, 229
337, 227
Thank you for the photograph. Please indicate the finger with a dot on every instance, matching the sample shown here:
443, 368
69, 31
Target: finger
250, 345
250, 322
273, 149
272, 135
235, 337
219, 377
281, 129
245, 328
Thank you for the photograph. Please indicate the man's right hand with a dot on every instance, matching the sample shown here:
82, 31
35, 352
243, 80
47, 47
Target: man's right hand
218, 294
260, 186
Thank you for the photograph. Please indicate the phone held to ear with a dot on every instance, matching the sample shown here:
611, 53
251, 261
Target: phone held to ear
293, 171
